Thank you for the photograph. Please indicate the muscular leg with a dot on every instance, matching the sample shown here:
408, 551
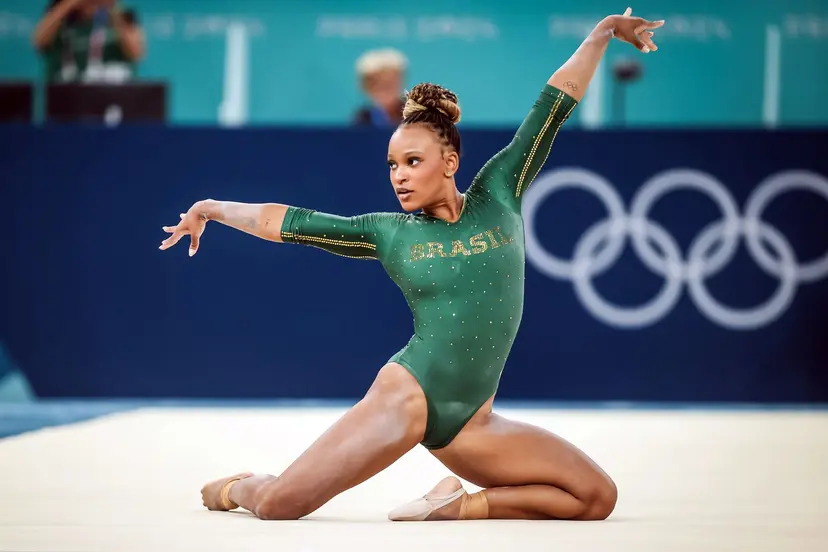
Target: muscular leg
526, 473
388, 422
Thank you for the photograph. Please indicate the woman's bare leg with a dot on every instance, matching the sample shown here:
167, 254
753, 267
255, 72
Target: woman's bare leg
388, 422
526, 473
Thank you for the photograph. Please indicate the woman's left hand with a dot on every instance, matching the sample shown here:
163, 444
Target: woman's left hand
634, 30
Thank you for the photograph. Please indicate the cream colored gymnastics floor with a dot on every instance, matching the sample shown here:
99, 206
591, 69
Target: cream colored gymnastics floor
688, 480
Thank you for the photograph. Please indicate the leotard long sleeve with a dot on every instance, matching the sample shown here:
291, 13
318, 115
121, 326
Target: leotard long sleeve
463, 281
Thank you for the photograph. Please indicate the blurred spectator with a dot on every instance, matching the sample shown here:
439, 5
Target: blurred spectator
382, 74
89, 41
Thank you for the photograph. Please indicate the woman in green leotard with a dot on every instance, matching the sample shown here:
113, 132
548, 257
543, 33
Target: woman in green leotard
459, 260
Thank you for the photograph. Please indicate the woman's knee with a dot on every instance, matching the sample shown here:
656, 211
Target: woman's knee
601, 500
275, 501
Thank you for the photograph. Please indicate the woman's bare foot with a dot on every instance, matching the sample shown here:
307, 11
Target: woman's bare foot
211, 492
443, 502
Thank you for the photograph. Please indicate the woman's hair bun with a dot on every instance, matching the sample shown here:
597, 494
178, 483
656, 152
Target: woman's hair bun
427, 96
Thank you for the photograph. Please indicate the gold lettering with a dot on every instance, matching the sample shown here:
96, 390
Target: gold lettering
478, 244
492, 239
417, 252
435, 248
459, 247
504, 240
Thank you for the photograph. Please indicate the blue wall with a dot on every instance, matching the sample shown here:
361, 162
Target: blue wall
709, 71
91, 307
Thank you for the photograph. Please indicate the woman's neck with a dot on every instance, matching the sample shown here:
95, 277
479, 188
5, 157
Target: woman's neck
449, 208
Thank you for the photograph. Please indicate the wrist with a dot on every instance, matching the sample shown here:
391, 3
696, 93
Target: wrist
209, 209
606, 27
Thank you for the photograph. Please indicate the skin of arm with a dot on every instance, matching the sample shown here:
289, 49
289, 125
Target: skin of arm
574, 76
263, 220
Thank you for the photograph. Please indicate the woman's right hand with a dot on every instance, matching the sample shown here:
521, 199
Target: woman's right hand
192, 224
635, 30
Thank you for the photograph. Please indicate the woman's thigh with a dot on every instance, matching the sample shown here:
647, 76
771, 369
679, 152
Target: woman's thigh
493, 451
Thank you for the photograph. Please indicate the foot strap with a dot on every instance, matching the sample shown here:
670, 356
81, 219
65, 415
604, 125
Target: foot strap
418, 510
475, 506
225, 495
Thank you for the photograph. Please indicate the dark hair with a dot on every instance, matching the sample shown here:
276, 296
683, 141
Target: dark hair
71, 18
437, 107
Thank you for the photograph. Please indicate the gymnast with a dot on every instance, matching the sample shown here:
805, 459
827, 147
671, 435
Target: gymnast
459, 260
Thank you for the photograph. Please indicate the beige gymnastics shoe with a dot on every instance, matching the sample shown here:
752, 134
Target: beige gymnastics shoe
445, 494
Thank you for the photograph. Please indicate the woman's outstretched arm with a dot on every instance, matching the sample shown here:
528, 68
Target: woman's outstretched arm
263, 220
574, 76
510, 172
355, 237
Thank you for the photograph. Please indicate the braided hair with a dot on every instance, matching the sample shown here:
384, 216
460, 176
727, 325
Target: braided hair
436, 107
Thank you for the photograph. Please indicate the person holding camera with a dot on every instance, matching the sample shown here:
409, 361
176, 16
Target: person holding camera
89, 41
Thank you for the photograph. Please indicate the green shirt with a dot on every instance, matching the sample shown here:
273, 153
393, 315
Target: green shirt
463, 281
68, 59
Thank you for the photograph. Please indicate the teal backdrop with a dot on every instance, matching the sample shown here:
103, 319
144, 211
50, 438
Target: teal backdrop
710, 70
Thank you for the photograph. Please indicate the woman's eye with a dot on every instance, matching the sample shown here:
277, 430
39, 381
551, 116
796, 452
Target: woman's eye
413, 161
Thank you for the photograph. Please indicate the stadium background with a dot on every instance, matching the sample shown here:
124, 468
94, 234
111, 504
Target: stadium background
260, 98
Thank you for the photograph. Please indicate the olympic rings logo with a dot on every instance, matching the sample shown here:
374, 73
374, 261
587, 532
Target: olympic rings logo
603, 243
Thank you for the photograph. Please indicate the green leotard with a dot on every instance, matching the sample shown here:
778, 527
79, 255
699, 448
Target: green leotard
463, 281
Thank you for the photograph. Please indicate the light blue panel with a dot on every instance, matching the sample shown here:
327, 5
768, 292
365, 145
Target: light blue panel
494, 54
14, 387
804, 65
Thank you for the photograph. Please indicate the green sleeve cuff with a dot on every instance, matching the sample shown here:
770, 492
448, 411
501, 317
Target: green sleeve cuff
287, 230
556, 99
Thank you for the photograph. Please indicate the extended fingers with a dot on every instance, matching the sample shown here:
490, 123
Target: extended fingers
177, 232
645, 35
172, 240
646, 38
195, 238
180, 227
642, 36
648, 26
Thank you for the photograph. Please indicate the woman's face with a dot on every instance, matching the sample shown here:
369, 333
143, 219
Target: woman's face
418, 164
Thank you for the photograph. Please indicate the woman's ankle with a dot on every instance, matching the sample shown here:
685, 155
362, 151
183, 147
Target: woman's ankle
244, 491
474, 506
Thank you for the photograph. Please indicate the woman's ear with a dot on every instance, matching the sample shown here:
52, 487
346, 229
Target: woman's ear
452, 161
